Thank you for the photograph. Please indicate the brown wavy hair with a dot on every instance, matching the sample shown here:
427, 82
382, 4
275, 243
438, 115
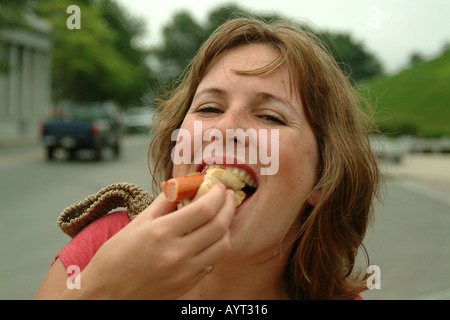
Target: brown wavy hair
329, 235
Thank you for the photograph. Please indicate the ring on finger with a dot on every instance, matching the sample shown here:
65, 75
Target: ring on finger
209, 269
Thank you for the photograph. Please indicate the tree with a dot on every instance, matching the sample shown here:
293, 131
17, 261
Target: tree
97, 62
183, 36
415, 58
11, 13
446, 46
351, 56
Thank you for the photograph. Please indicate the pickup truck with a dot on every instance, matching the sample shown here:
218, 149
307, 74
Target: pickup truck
73, 127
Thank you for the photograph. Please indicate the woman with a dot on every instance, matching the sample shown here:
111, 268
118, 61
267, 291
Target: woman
298, 234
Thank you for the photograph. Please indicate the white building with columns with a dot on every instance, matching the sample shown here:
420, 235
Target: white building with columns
25, 89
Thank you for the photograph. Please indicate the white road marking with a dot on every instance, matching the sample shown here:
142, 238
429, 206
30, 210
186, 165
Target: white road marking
422, 190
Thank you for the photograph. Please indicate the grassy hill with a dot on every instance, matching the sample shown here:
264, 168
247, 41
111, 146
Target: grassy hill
415, 101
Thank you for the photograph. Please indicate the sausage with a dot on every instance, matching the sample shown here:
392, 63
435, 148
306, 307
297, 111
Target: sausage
177, 189
195, 185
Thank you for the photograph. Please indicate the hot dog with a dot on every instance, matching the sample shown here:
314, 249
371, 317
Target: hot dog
182, 188
194, 186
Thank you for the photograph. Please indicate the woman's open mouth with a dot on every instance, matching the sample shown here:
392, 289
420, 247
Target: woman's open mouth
243, 172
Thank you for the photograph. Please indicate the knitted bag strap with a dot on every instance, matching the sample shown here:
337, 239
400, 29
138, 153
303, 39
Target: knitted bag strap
74, 218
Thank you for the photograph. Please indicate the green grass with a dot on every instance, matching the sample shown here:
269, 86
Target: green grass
415, 101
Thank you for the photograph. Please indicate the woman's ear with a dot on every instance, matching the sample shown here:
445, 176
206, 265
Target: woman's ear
315, 194
314, 197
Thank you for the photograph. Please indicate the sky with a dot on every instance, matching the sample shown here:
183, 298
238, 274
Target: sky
390, 29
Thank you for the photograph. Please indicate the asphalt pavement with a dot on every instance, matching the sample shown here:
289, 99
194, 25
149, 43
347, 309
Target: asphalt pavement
410, 237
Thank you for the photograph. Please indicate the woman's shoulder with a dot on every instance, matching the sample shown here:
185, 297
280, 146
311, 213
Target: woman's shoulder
80, 250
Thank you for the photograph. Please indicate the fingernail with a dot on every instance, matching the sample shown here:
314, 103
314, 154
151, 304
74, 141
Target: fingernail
221, 185
232, 193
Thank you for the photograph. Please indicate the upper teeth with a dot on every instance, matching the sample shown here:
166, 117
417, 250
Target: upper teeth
240, 173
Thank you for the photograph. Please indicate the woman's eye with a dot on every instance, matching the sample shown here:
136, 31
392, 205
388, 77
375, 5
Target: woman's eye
209, 109
273, 119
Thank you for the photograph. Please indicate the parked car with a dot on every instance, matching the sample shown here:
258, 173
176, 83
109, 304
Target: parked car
138, 119
390, 149
94, 126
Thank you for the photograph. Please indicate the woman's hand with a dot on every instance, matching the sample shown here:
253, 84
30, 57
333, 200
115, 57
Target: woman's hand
162, 254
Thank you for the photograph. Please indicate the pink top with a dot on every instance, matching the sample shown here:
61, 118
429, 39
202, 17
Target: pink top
84, 245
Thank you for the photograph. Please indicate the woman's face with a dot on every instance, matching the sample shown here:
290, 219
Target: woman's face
226, 101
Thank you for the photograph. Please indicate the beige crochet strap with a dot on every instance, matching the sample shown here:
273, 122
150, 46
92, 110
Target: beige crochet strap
73, 219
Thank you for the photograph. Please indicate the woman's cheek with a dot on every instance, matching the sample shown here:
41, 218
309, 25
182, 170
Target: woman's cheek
289, 171
182, 155
296, 166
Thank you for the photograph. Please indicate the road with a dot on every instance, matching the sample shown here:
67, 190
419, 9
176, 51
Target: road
409, 239
33, 192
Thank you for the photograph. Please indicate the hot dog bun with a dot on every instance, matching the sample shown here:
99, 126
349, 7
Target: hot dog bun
227, 178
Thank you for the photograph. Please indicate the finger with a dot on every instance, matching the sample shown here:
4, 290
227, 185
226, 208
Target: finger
216, 228
159, 207
214, 253
211, 256
199, 212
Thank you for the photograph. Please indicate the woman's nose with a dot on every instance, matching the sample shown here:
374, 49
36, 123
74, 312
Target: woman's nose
233, 124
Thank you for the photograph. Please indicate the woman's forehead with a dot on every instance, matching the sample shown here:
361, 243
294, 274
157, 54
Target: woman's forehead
250, 57
233, 69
